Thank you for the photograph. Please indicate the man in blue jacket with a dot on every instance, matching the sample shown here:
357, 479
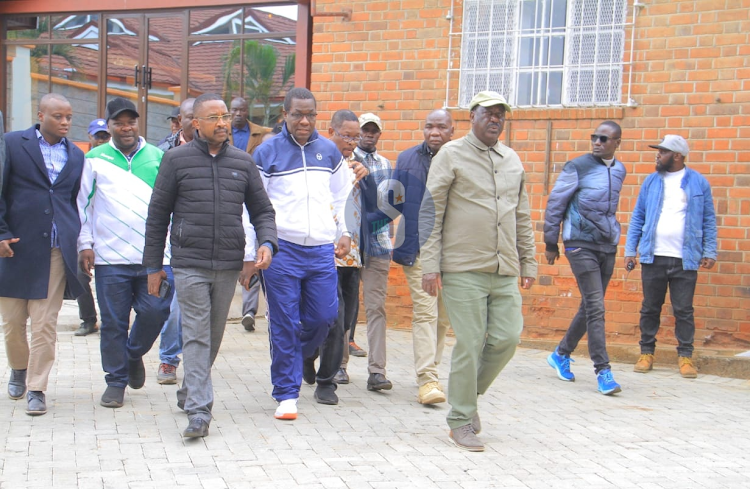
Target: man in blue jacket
430, 321
39, 227
673, 228
304, 176
584, 203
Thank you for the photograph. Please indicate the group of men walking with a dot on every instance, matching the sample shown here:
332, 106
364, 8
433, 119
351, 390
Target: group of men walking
170, 230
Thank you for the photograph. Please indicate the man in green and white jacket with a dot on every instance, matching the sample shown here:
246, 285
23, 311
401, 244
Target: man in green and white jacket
116, 187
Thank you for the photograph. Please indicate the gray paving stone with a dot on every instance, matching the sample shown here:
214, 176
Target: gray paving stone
661, 432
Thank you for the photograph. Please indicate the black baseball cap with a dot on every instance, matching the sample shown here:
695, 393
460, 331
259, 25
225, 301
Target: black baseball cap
117, 106
174, 114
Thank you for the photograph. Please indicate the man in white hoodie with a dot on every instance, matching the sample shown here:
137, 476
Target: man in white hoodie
116, 185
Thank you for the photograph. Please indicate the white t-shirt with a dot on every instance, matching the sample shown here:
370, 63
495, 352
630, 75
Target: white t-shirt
670, 230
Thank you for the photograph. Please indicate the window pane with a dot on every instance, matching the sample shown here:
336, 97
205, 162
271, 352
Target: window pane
83, 26
554, 92
216, 22
557, 50
271, 19
559, 12
28, 27
27, 83
268, 68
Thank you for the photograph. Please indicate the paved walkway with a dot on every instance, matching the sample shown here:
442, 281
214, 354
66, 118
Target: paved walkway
662, 431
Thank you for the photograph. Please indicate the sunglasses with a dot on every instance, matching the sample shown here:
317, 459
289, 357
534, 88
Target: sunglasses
599, 137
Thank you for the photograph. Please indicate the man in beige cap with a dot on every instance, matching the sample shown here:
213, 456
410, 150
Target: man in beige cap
673, 227
376, 250
479, 241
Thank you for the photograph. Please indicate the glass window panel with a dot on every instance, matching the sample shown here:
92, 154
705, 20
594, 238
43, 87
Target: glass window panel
27, 84
28, 27
526, 57
557, 51
554, 92
523, 90
559, 12
214, 68
75, 75
268, 70
270, 19
528, 13
216, 22
76, 26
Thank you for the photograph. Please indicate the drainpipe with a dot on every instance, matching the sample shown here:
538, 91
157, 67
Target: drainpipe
346, 14
448, 72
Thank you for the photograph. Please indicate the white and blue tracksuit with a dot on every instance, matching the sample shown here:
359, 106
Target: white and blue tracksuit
303, 182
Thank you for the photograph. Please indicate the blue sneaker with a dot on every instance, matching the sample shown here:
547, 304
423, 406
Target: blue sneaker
607, 384
561, 364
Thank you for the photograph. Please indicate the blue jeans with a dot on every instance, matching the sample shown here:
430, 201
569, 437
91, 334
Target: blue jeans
120, 288
666, 272
170, 346
301, 288
592, 270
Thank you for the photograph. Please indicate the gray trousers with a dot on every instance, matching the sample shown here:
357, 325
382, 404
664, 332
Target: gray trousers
204, 297
250, 300
375, 285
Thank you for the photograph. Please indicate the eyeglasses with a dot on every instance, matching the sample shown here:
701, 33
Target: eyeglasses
214, 119
297, 116
348, 139
102, 136
599, 137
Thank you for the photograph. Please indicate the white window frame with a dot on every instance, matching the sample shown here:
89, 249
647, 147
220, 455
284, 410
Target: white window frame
603, 74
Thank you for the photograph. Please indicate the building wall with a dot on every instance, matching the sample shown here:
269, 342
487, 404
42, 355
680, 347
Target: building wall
691, 76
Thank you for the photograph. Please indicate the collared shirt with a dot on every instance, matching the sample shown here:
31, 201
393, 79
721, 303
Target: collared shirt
55, 158
240, 137
353, 220
477, 217
380, 168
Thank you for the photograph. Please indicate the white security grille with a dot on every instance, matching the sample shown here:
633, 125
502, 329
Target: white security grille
544, 52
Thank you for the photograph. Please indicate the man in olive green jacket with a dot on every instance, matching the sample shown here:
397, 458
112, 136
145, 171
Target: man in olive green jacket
479, 241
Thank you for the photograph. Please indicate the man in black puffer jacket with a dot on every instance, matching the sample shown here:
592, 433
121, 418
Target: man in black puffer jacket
203, 186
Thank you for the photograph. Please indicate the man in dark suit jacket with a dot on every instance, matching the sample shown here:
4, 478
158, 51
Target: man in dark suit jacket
39, 226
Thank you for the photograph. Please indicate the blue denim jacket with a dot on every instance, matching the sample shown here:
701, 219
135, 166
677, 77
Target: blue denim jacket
700, 220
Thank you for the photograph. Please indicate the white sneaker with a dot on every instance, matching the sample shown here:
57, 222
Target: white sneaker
287, 409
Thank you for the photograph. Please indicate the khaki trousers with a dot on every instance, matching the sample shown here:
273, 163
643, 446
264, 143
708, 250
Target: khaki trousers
38, 357
375, 287
429, 325
485, 311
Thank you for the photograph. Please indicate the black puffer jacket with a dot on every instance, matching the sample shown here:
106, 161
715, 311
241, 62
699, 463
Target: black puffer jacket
205, 195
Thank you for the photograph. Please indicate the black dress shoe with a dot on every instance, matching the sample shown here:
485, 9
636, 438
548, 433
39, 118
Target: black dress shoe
86, 329
326, 394
136, 373
113, 397
378, 382
37, 404
341, 377
308, 370
197, 428
181, 404
17, 384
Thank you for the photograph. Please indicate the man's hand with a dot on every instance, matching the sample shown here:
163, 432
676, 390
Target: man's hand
432, 283
154, 282
628, 261
551, 256
86, 261
707, 263
344, 247
5, 250
262, 258
360, 171
527, 282
248, 270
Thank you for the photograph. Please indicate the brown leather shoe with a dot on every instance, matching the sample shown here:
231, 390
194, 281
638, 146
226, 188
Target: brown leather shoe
687, 369
644, 364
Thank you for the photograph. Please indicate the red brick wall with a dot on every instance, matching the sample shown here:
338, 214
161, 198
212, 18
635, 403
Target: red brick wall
691, 76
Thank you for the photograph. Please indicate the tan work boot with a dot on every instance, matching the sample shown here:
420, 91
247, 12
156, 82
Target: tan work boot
644, 364
431, 393
687, 369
